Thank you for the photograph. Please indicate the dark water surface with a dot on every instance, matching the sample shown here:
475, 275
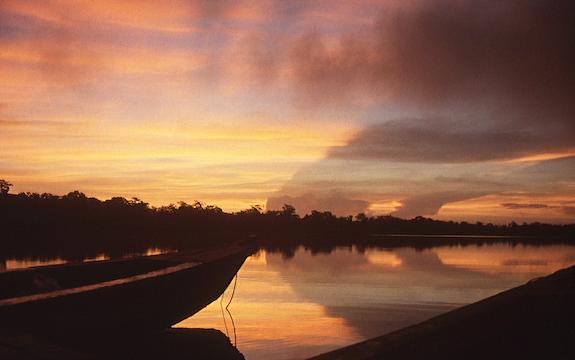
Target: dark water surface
293, 308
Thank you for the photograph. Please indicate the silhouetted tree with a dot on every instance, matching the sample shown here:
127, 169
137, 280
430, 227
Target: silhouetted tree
4, 187
288, 210
76, 226
361, 217
255, 210
75, 195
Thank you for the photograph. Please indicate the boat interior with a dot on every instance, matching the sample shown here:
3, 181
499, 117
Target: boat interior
42, 279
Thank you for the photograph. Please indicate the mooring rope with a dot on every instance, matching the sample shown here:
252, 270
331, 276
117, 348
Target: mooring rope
233, 291
228, 311
223, 314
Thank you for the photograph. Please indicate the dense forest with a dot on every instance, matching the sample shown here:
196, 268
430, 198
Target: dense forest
75, 225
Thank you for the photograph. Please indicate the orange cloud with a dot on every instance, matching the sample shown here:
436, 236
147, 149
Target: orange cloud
492, 208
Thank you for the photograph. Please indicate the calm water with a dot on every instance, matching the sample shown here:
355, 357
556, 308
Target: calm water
293, 308
298, 307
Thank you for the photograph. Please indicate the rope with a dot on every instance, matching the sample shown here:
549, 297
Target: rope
233, 291
234, 327
223, 314
229, 313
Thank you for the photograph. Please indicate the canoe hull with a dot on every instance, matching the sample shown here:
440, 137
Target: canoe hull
149, 304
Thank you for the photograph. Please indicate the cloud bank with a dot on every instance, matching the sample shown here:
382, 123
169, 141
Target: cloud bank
490, 84
437, 140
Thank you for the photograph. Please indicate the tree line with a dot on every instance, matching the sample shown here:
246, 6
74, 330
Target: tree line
43, 223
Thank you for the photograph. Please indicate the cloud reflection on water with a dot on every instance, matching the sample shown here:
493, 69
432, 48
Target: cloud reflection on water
307, 304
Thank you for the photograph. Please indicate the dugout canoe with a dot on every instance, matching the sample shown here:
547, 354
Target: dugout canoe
145, 293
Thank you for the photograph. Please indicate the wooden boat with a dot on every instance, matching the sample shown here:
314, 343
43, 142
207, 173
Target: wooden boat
145, 293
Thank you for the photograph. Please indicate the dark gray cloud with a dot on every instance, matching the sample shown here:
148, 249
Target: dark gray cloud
508, 63
436, 140
561, 168
518, 54
524, 206
567, 210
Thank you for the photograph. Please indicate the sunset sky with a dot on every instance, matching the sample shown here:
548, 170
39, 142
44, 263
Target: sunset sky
459, 110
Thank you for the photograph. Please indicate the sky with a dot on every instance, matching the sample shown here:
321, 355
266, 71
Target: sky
459, 110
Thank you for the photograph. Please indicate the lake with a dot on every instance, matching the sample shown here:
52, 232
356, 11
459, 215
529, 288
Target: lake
300, 306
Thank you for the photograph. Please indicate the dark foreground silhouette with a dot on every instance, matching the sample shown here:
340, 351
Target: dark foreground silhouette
532, 321
117, 309
200, 344
75, 226
148, 294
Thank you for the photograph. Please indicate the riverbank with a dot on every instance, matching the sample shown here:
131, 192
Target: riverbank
534, 320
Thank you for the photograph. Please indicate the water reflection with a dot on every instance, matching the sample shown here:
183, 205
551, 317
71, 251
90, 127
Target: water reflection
21, 263
290, 308
12, 264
